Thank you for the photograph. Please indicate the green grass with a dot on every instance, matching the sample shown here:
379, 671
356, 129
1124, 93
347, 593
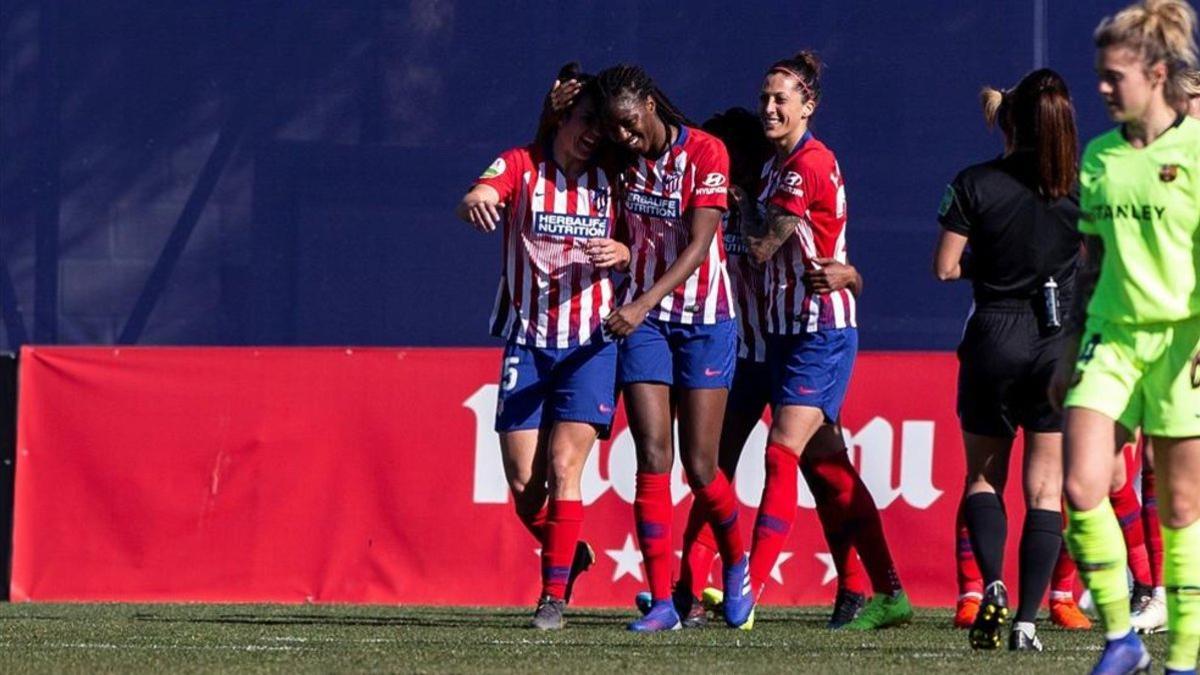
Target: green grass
337, 638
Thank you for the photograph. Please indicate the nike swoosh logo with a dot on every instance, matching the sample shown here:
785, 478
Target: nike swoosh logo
805, 391
709, 372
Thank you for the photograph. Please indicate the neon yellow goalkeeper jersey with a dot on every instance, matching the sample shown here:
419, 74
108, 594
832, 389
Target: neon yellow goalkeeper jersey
1144, 203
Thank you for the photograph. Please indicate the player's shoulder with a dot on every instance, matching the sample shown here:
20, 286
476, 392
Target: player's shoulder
813, 156
699, 140
515, 159
1104, 145
981, 172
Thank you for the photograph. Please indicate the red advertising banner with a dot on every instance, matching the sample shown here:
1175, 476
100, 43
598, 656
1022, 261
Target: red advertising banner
374, 476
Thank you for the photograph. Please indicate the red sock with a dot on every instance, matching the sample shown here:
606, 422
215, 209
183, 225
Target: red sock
970, 580
652, 511
1150, 526
860, 517
699, 551
562, 533
1129, 514
834, 519
536, 523
720, 505
775, 514
1062, 581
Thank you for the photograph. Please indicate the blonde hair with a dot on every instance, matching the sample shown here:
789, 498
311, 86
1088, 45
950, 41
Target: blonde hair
1158, 30
1189, 82
991, 100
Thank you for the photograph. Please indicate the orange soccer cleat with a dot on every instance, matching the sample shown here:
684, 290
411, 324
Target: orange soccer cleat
964, 614
1066, 613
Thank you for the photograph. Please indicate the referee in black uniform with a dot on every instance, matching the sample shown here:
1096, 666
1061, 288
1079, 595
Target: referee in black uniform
1009, 226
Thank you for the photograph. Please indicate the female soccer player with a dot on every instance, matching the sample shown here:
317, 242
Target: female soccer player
558, 372
844, 506
1137, 361
1018, 214
678, 339
811, 336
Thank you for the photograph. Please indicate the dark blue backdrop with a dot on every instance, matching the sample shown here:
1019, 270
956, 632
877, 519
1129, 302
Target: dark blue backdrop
285, 173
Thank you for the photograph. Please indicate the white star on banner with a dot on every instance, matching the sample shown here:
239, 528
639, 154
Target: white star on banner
628, 559
776, 574
830, 569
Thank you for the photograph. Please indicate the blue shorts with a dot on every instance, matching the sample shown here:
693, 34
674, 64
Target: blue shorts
751, 390
692, 356
539, 387
812, 369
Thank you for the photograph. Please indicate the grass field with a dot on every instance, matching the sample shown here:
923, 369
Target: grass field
324, 638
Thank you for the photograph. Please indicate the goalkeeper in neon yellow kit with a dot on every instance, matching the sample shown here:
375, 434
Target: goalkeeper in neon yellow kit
1137, 361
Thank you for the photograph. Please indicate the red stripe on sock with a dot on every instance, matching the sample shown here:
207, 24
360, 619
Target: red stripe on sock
699, 551
720, 504
652, 512
1151, 528
1129, 515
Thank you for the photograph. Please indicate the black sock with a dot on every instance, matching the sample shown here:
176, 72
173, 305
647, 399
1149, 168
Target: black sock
986, 521
1041, 539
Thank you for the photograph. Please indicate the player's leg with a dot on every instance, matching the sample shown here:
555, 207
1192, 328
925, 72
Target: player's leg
1064, 611
987, 459
1153, 616
1178, 467
645, 370
523, 446
705, 358
966, 570
1129, 513
1041, 533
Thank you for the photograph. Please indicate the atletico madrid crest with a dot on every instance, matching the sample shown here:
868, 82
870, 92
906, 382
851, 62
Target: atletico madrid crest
1168, 172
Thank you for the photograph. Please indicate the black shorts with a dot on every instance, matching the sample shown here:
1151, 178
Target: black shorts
1004, 368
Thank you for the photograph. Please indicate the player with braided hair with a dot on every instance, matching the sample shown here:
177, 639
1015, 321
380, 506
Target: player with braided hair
675, 323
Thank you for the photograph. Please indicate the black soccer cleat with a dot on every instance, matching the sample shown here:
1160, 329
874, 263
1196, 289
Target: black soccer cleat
846, 606
1140, 597
993, 614
584, 558
690, 609
1023, 641
549, 614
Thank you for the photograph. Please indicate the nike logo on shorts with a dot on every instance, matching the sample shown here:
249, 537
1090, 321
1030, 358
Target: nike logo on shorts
805, 391
711, 372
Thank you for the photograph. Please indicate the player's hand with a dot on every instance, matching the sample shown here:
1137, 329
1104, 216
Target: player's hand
483, 216
605, 253
563, 94
829, 276
625, 319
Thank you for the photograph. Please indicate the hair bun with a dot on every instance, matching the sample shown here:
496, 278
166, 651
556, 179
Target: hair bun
809, 58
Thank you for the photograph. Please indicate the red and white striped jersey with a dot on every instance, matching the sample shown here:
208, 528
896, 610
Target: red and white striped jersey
748, 287
550, 295
693, 173
807, 184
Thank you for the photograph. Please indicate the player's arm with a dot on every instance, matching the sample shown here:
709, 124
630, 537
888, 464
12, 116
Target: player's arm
780, 224
949, 255
702, 223
1085, 285
831, 276
480, 208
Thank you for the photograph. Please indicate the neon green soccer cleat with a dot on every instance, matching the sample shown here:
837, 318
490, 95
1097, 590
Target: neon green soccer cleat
713, 600
883, 611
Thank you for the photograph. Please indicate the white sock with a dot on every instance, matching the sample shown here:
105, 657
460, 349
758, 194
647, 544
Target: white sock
1025, 627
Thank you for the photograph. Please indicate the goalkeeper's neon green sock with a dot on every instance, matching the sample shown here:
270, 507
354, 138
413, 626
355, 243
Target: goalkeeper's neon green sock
1181, 567
1096, 544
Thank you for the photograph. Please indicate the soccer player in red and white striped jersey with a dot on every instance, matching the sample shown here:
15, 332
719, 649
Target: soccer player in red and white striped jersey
557, 384
812, 335
676, 323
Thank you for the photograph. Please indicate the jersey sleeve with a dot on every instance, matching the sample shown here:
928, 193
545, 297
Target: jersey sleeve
711, 163
502, 174
800, 186
957, 208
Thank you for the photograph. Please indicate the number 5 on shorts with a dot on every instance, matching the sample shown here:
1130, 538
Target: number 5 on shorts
508, 376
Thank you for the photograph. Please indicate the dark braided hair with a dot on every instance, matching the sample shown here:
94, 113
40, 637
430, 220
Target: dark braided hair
805, 67
550, 118
628, 80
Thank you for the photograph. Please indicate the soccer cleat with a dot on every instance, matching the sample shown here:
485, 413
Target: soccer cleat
1023, 639
883, 611
964, 613
1139, 597
738, 603
1066, 614
846, 607
1152, 618
643, 601
662, 616
1124, 656
549, 614
1172, 671
584, 558
993, 614
713, 600
690, 609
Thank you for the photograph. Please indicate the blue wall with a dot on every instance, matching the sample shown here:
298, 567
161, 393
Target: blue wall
285, 174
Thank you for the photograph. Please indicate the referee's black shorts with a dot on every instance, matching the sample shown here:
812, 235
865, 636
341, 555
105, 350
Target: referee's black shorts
1004, 368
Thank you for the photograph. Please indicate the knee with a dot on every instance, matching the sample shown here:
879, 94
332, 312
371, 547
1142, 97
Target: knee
700, 471
1082, 495
1045, 495
1182, 510
654, 453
